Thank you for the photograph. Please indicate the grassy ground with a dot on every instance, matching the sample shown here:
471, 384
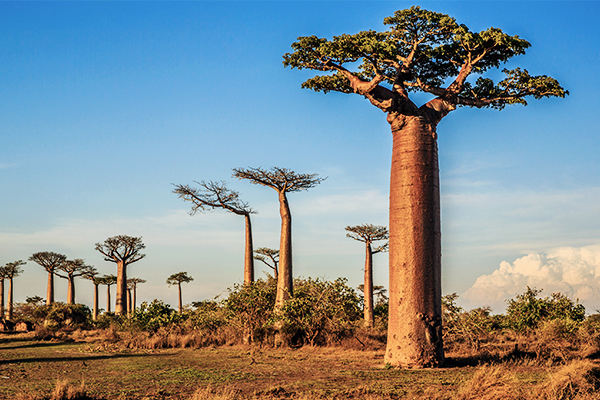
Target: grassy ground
28, 366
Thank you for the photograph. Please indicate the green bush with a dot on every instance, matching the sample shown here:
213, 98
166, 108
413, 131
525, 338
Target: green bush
154, 315
60, 315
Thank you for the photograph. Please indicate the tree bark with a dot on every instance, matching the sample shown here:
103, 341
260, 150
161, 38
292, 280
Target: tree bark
249, 253
121, 301
414, 329
9, 312
71, 290
2, 298
95, 311
368, 287
285, 278
180, 302
129, 309
50, 289
107, 298
133, 305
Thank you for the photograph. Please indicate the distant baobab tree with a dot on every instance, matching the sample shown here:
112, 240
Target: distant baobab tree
211, 195
262, 253
108, 280
72, 269
177, 279
132, 283
369, 233
3, 276
12, 270
122, 250
50, 261
92, 275
283, 181
425, 52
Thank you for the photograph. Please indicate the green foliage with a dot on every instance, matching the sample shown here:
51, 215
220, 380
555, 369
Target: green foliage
178, 278
54, 316
527, 310
208, 315
154, 315
320, 311
249, 307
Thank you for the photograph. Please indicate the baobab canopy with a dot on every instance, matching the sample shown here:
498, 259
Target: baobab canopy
421, 51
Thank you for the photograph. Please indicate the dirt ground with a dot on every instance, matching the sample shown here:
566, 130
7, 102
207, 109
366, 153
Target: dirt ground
110, 372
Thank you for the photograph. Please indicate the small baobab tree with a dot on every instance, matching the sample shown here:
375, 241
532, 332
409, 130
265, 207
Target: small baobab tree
178, 279
122, 250
272, 261
428, 52
72, 269
133, 282
211, 195
50, 261
283, 181
368, 234
108, 280
12, 270
92, 275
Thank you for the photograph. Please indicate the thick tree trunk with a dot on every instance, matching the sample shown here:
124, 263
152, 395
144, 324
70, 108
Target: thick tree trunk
180, 302
133, 305
95, 311
129, 309
249, 253
414, 329
1, 298
368, 287
9, 312
107, 298
285, 278
121, 300
71, 290
50, 289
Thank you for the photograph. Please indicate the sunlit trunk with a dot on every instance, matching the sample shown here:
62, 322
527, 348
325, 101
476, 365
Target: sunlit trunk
368, 287
285, 278
134, 298
129, 309
107, 298
414, 329
9, 313
95, 311
1, 298
180, 302
249, 253
121, 297
71, 290
50, 289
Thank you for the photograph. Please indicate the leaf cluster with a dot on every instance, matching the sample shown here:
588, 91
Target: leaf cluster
210, 195
281, 179
122, 248
178, 278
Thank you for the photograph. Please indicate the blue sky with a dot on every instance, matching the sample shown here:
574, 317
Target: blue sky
104, 105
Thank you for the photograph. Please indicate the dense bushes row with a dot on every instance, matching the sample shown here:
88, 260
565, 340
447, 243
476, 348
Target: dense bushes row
330, 312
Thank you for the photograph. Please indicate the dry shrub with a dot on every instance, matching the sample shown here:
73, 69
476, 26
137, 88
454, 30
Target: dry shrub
63, 390
490, 383
579, 380
221, 393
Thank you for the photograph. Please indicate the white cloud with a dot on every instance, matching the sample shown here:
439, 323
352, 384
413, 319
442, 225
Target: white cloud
574, 271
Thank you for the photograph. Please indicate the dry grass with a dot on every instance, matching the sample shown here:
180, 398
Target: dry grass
63, 390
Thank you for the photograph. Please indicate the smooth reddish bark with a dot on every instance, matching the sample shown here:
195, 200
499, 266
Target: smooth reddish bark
368, 287
50, 289
285, 276
121, 303
248, 253
414, 329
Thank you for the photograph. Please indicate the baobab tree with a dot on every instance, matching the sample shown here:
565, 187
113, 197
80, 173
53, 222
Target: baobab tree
50, 261
283, 181
262, 253
211, 195
177, 279
92, 275
108, 280
133, 282
122, 250
12, 270
369, 233
422, 51
3, 276
72, 269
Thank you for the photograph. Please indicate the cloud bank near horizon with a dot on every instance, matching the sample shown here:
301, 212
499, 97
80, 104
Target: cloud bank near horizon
574, 271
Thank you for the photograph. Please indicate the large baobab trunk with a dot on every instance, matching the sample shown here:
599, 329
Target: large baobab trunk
129, 309
71, 291
414, 330
180, 302
50, 289
285, 277
121, 300
133, 303
368, 286
249, 253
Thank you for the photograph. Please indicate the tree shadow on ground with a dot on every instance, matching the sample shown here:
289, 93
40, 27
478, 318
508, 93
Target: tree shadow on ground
79, 359
35, 344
